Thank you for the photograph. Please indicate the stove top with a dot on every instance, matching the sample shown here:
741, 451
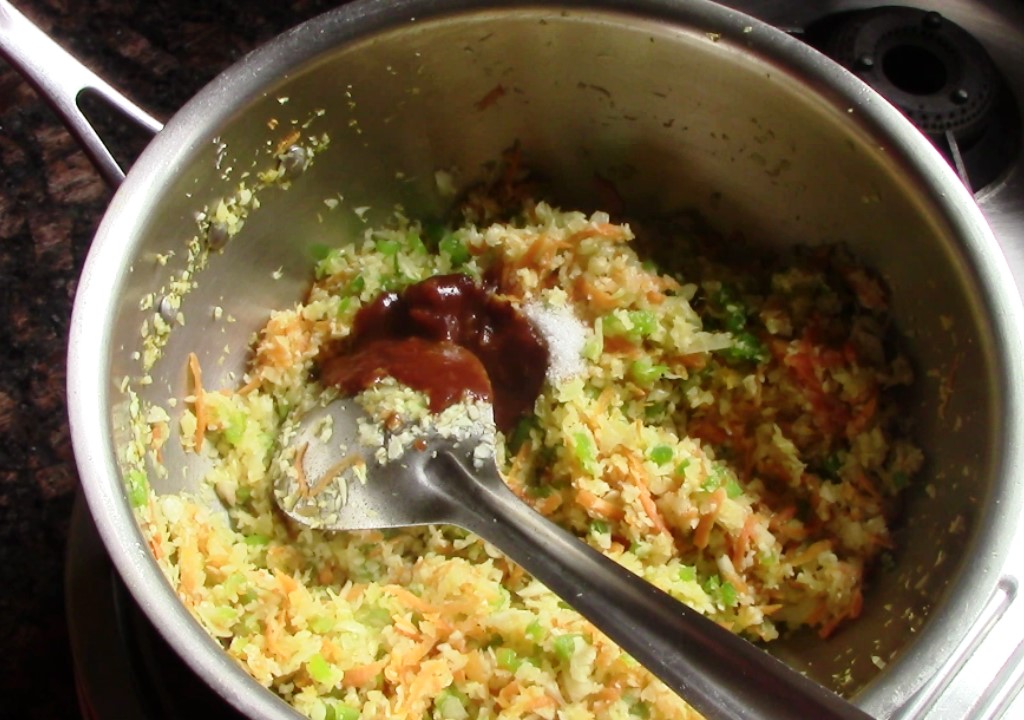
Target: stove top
954, 67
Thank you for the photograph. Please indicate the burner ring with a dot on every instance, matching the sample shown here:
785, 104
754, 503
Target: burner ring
930, 68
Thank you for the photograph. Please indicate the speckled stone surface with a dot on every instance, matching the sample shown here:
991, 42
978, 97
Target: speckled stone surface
51, 200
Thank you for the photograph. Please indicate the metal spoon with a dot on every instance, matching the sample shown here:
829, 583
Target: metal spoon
439, 480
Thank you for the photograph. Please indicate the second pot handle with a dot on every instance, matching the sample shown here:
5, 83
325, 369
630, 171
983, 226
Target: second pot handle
61, 79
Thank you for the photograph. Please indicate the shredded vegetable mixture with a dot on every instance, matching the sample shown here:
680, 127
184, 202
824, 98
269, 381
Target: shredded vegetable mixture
729, 433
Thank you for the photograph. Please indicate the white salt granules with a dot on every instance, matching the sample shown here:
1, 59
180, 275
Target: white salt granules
565, 336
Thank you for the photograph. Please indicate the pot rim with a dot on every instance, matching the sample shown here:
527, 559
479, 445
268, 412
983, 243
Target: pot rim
89, 349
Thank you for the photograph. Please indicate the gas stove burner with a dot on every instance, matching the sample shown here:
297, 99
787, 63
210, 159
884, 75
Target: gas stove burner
938, 74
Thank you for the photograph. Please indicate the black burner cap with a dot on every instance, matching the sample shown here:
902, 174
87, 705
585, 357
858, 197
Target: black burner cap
937, 74
932, 69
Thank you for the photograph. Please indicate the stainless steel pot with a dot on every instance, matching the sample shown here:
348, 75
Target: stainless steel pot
680, 105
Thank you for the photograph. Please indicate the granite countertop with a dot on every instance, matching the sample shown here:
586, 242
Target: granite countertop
51, 201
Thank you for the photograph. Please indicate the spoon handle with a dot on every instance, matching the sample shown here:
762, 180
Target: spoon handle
720, 674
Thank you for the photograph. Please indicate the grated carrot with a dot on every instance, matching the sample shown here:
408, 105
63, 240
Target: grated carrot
598, 506
330, 651
507, 695
862, 482
639, 478
702, 535
300, 452
412, 656
689, 361
250, 386
190, 564
363, 674
325, 575
608, 231
593, 296
350, 460
865, 413
604, 400
515, 574
157, 439
287, 141
536, 702
426, 684
410, 600
742, 542
540, 253
199, 403
273, 631
549, 504
156, 545
811, 552
406, 627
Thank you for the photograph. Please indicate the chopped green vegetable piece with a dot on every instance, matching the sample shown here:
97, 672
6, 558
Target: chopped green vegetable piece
355, 286
387, 246
640, 709
503, 598
233, 582
234, 426
644, 322
680, 470
712, 585
735, 317
451, 704
374, 616
645, 373
687, 573
454, 249
138, 488
746, 347
727, 594
508, 659
585, 451
415, 244
598, 527
321, 624
340, 711
565, 645
655, 411
521, 432
714, 479
661, 454
534, 631
319, 669
612, 326
225, 615
732, 488
256, 539
593, 347
638, 325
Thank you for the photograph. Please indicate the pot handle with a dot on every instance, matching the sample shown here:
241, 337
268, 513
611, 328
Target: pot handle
61, 79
